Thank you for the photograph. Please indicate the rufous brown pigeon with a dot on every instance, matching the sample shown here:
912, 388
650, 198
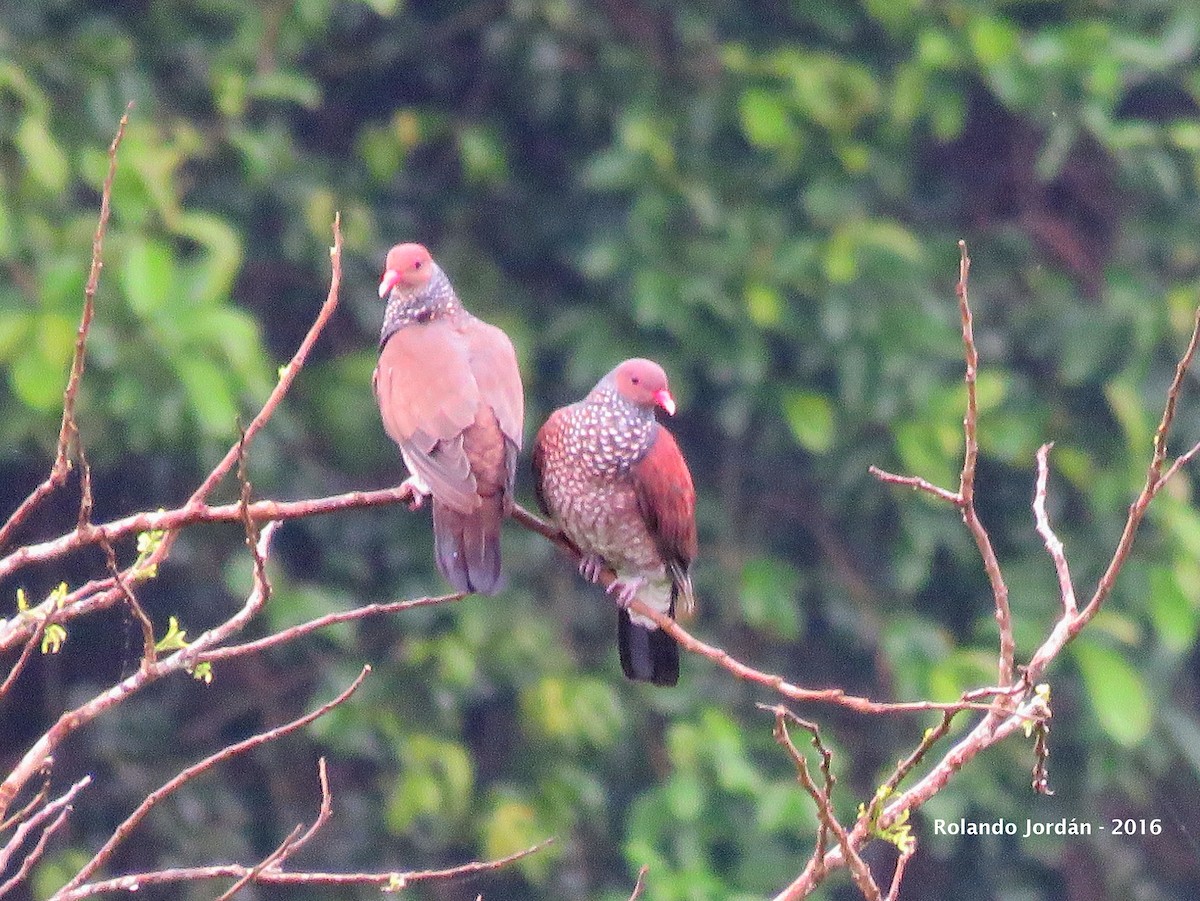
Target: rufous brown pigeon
449, 391
613, 480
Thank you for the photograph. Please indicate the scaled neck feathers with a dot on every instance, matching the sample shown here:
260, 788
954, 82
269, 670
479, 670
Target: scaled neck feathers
624, 430
408, 306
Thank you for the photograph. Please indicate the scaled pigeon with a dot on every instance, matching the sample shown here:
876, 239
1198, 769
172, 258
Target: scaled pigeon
614, 481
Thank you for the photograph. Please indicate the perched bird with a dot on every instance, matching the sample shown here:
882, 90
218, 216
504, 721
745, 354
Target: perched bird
613, 480
450, 395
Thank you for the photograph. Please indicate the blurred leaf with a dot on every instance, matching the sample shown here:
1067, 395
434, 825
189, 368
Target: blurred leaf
1173, 611
512, 826
768, 593
38, 382
1116, 690
483, 157
764, 304
993, 39
436, 781
285, 86
1185, 732
148, 277
810, 417
931, 452
579, 711
766, 121
15, 326
211, 277
208, 393
56, 869
42, 155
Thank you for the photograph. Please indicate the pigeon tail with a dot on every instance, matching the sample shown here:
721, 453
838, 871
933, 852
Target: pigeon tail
467, 545
647, 654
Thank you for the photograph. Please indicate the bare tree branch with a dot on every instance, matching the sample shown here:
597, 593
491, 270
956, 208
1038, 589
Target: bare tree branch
1054, 547
386, 881
342, 616
859, 871
182, 660
56, 812
966, 488
192, 514
69, 432
640, 884
131, 822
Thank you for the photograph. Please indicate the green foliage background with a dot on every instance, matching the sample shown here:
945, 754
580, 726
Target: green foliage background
764, 196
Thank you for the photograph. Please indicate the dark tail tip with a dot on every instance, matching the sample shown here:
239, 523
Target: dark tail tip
467, 547
647, 655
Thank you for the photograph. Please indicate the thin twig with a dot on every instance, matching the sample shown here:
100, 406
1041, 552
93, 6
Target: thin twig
904, 767
898, 874
385, 881
57, 809
35, 853
274, 858
288, 373
192, 514
40, 622
330, 619
722, 658
859, 871
323, 813
966, 488
34, 803
186, 659
917, 484
640, 884
1054, 547
68, 431
149, 653
131, 822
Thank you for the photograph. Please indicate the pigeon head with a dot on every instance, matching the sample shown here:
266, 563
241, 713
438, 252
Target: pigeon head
408, 266
643, 383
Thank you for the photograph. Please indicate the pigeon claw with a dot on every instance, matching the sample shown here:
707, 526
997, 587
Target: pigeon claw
414, 491
590, 567
624, 591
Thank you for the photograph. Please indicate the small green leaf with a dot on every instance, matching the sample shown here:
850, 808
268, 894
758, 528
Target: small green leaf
53, 638
764, 303
42, 155
174, 640
208, 393
810, 417
1116, 690
58, 596
1172, 611
766, 120
148, 276
768, 593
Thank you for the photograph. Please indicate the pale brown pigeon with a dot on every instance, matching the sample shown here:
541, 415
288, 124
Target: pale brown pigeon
450, 395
